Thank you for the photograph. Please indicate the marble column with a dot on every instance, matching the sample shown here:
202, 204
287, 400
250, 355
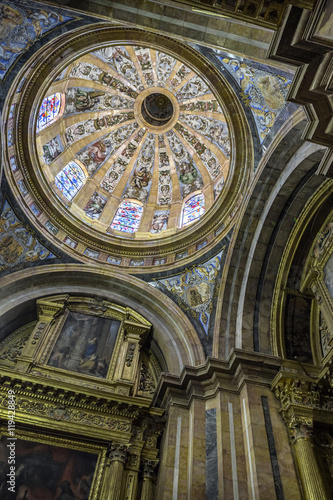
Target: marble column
117, 455
314, 487
148, 484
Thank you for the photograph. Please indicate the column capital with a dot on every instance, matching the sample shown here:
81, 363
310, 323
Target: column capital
149, 468
118, 452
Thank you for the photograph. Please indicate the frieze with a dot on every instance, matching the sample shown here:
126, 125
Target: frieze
56, 397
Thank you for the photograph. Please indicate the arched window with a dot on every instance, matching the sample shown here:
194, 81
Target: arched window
70, 180
193, 209
49, 109
128, 216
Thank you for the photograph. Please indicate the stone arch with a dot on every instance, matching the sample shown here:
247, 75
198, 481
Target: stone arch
261, 235
175, 342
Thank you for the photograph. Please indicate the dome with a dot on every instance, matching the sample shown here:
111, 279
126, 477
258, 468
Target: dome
132, 157
131, 139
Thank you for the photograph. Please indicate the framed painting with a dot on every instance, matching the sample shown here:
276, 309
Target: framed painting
85, 344
48, 468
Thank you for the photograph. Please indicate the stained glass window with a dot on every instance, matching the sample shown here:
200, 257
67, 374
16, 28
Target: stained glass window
49, 110
70, 180
194, 208
127, 218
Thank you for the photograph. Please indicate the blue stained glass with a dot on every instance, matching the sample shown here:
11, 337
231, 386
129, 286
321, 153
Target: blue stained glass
127, 218
194, 208
49, 109
70, 180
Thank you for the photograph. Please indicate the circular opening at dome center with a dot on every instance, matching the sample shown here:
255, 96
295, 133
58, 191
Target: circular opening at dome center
157, 109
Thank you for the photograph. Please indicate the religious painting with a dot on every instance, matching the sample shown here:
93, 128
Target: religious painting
44, 471
51, 228
85, 344
34, 209
71, 243
52, 149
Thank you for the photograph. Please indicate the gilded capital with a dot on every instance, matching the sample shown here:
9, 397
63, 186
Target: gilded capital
149, 468
118, 452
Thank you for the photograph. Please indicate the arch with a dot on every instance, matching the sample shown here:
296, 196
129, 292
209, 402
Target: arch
128, 217
262, 234
49, 110
70, 180
174, 342
193, 209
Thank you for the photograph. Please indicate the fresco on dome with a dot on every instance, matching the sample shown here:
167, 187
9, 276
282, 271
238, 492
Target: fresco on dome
195, 289
18, 244
22, 187
83, 99
207, 157
91, 253
196, 87
215, 130
120, 60
139, 183
70, 180
261, 90
113, 260
193, 209
164, 195
85, 344
180, 75
23, 23
96, 74
13, 165
82, 129
95, 154
159, 261
45, 471
52, 149
182, 255
71, 243
207, 105
164, 66
95, 206
160, 221
51, 228
137, 263
128, 217
34, 209
188, 173
124, 157
144, 58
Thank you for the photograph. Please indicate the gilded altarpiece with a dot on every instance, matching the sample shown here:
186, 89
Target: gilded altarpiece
83, 377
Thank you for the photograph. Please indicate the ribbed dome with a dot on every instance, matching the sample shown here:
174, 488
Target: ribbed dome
132, 140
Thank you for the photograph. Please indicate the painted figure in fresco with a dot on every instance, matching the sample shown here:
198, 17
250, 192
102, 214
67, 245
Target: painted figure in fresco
158, 222
86, 100
140, 178
99, 151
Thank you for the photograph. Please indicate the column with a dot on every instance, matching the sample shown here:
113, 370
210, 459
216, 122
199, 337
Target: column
117, 455
314, 487
148, 484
